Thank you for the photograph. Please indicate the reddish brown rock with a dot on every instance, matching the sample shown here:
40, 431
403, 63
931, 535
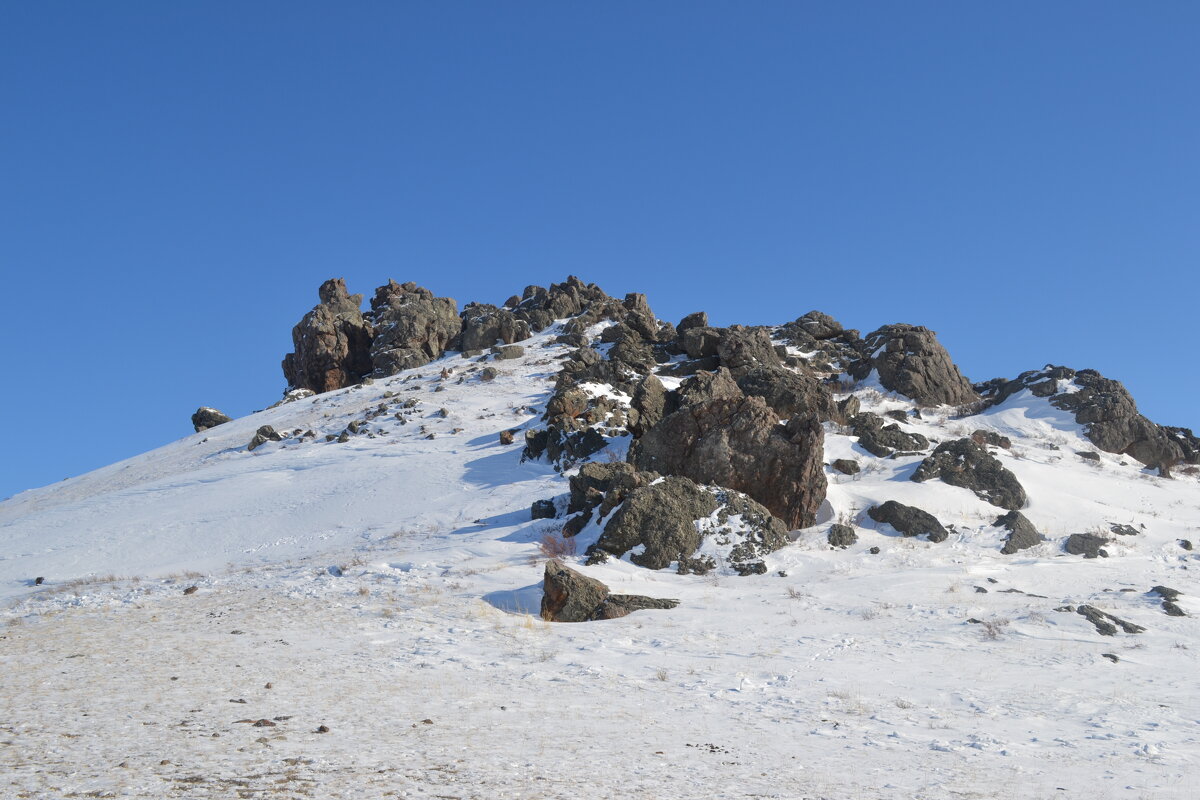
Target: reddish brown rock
332, 342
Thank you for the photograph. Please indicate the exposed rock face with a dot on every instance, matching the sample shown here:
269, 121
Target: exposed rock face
1109, 412
909, 520
911, 361
789, 393
883, 440
743, 349
1088, 545
1022, 535
739, 443
332, 343
963, 463
540, 307
412, 327
650, 403
483, 325
819, 326
698, 319
669, 519
206, 418
568, 596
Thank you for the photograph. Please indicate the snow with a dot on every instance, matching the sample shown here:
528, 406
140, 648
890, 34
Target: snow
838, 674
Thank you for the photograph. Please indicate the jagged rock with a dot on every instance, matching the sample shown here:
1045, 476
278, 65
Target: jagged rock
568, 596
1022, 535
650, 402
841, 535
963, 463
1169, 596
698, 319
540, 307
1106, 624
789, 393
263, 435
700, 342
412, 327
739, 443
1088, 455
846, 466
596, 480
1087, 545
705, 387
911, 361
484, 325
206, 418
562, 447
669, 519
880, 440
543, 509
909, 520
1122, 530
331, 344
742, 349
819, 325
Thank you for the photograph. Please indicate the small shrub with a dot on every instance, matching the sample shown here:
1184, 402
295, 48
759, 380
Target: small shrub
994, 628
661, 674
555, 545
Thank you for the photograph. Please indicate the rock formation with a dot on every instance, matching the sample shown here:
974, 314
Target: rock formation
568, 596
911, 361
962, 462
206, 418
412, 327
332, 343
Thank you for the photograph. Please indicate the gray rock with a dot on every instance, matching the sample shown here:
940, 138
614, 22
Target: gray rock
484, 325
819, 326
700, 342
698, 319
331, 344
1087, 545
963, 463
742, 349
263, 435
909, 520
1106, 624
883, 440
911, 361
846, 466
206, 418
412, 327
789, 393
568, 596
841, 535
1022, 535
543, 509
649, 401
705, 387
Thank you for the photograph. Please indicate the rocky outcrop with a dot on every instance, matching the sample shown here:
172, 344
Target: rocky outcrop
910, 360
206, 418
738, 442
742, 349
909, 520
884, 440
540, 307
789, 393
484, 325
568, 596
263, 435
963, 463
332, 343
412, 327
1106, 624
1021, 533
667, 521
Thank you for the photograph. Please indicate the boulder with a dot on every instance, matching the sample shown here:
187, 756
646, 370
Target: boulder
331, 344
910, 360
1022, 535
665, 522
909, 520
818, 325
789, 393
263, 435
1106, 624
705, 387
650, 403
412, 327
963, 463
841, 535
846, 466
508, 351
700, 341
543, 509
883, 440
206, 418
484, 325
742, 349
698, 319
596, 480
568, 596
1088, 545
740, 443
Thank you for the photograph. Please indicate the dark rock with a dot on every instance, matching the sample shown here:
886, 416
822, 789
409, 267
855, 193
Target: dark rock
484, 325
698, 319
1188, 442
897, 414
264, 434
331, 344
488, 374
507, 437
568, 596
874, 551
1113, 657
543, 509
1106, 624
1022, 535
846, 466
662, 519
562, 447
982, 437
509, 351
412, 327
742, 349
1186, 544
700, 342
595, 480
1088, 455
1169, 596
819, 326
911, 361
883, 440
1087, 545
963, 463
1123, 530
206, 418
705, 387
649, 401
739, 443
789, 393
909, 520
841, 535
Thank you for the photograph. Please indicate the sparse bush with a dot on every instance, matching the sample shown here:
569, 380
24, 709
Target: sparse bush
994, 628
661, 674
555, 545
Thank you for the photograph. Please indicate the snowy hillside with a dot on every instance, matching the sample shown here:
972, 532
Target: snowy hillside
353, 610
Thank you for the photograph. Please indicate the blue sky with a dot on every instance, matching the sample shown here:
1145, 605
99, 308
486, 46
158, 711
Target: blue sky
176, 179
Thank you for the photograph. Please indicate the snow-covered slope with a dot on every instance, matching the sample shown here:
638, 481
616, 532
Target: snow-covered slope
386, 588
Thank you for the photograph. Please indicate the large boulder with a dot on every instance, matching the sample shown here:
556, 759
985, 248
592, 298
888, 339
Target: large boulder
1021, 533
483, 325
962, 462
789, 393
742, 349
568, 596
738, 442
412, 327
206, 418
883, 440
331, 344
540, 307
910, 360
674, 521
909, 520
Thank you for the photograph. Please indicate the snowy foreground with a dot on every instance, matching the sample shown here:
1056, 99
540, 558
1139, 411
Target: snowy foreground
386, 588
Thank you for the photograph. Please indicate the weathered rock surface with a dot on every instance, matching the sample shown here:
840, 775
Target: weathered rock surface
789, 393
1022, 535
846, 466
739, 443
1106, 624
841, 535
963, 463
909, 520
263, 435
568, 596
206, 418
883, 440
911, 361
331, 344
412, 327
667, 521
484, 325
1088, 545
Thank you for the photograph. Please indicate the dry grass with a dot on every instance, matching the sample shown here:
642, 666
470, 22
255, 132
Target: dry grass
555, 545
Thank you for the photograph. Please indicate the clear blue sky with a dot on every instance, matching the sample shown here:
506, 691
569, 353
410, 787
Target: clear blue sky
177, 178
